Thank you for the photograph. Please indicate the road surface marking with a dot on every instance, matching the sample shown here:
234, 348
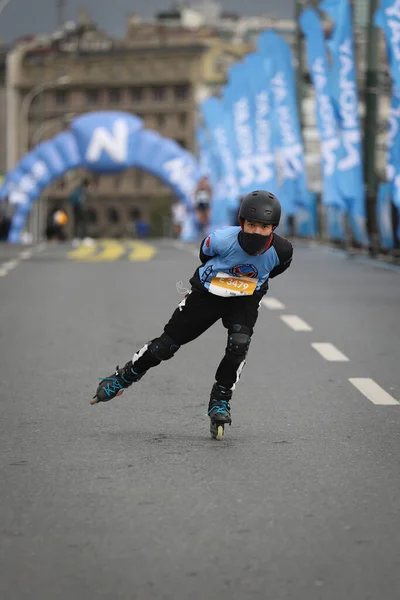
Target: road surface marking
296, 323
373, 391
82, 252
141, 251
112, 251
330, 352
273, 304
10, 264
24, 255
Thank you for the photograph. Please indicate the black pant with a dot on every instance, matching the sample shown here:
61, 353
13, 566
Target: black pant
80, 222
194, 315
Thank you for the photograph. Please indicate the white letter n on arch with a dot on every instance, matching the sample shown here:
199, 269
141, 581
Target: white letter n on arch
115, 143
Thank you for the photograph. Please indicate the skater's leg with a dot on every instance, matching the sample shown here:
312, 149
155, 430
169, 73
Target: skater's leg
196, 313
239, 319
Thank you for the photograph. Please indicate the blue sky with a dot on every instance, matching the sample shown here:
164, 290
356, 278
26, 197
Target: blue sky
21, 17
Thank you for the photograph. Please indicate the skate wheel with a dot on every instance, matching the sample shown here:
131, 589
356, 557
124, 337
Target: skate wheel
220, 433
94, 400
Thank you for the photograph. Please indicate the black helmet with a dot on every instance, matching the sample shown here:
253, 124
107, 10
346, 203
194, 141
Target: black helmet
260, 206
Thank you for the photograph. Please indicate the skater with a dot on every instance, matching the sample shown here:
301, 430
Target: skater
237, 263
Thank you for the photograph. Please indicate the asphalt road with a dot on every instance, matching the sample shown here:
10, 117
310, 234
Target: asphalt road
133, 500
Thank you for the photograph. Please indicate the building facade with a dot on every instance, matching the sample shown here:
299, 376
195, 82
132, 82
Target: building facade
153, 78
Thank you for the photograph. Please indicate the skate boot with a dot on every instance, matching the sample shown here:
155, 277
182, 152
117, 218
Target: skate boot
114, 385
219, 410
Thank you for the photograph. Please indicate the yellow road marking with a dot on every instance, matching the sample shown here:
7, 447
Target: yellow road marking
141, 251
112, 251
82, 252
109, 250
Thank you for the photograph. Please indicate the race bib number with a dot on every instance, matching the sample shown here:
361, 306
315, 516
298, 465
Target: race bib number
225, 285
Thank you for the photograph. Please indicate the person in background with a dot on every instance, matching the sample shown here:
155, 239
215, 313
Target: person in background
78, 200
178, 213
5, 225
203, 196
56, 222
140, 228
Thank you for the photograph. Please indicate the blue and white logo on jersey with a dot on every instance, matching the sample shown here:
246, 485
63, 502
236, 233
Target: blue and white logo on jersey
245, 270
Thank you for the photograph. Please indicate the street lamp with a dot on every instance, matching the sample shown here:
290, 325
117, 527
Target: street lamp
3, 5
24, 137
43, 127
26, 103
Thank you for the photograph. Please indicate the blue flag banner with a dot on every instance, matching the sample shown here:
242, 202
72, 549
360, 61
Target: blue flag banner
388, 17
204, 154
218, 126
210, 167
344, 95
384, 215
335, 223
393, 149
236, 103
307, 219
326, 120
293, 191
257, 74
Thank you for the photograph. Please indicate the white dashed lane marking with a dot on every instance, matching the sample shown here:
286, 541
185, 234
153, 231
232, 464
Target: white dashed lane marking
6, 267
10, 264
296, 323
273, 304
373, 391
330, 352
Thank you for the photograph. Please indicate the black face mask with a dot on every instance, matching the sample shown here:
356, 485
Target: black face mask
253, 243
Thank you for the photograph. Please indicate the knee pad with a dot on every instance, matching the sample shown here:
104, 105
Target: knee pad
164, 347
238, 344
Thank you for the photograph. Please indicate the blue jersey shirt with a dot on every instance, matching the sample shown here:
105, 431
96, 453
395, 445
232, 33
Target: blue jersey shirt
227, 256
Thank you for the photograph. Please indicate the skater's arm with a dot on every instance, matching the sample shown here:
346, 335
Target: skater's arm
284, 251
208, 248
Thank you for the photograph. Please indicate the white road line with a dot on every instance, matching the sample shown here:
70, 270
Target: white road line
330, 352
273, 304
373, 391
296, 323
24, 255
10, 264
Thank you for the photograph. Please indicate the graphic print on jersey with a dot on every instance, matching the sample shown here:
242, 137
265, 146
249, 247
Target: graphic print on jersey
207, 272
244, 270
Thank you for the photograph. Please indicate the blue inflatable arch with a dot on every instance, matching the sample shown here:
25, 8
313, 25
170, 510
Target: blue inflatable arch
102, 142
